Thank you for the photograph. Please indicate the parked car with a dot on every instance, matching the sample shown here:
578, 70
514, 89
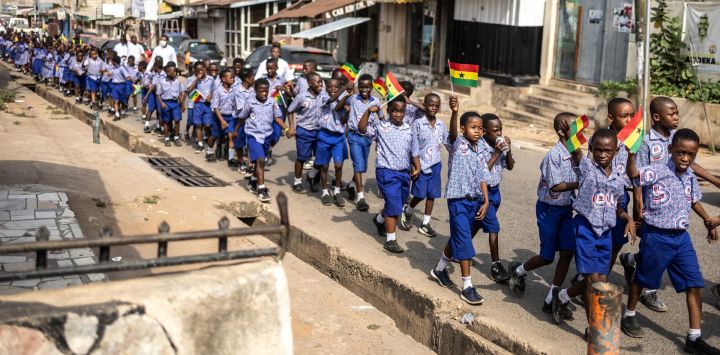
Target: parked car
176, 38
192, 50
296, 56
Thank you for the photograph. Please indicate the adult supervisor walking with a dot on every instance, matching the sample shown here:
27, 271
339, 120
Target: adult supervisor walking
283, 69
164, 51
122, 49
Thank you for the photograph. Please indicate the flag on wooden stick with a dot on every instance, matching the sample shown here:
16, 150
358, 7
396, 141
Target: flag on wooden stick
633, 132
577, 139
463, 74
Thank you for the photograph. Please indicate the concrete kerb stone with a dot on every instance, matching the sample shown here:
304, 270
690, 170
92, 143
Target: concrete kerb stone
415, 313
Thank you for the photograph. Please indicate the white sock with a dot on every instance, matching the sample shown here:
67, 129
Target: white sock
360, 195
647, 292
298, 181
231, 154
390, 237
467, 282
564, 298
443, 263
325, 192
628, 313
426, 219
548, 298
379, 218
177, 137
147, 124
312, 173
631, 259
200, 144
521, 270
336, 190
261, 186
694, 334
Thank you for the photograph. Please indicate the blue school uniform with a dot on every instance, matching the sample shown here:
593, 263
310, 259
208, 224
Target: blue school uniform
491, 224
169, 91
78, 73
553, 210
359, 144
596, 207
23, 54
119, 76
48, 69
241, 96
308, 106
331, 138
431, 140
259, 118
412, 113
37, 62
130, 80
148, 82
666, 244
396, 148
202, 114
223, 100
189, 104
654, 149
467, 169
94, 74
274, 84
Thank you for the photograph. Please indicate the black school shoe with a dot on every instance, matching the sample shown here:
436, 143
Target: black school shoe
351, 192
471, 296
517, 282
559, 309
699, 346
427, 231
393, 247
442, 278
326, 200
362, 206
264, 195
297, 188
380, 227
498, 272
566, 313
338, 200
313, 182
631, 328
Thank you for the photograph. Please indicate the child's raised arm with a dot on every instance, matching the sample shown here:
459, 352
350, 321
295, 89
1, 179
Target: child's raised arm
362, 125
453, 132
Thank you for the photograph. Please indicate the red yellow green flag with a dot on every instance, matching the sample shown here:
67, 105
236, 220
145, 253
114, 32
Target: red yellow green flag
577, 139
349, 71
463, 74
393, 86
379, 86
195, 96
633, 132
277, 96
137, 89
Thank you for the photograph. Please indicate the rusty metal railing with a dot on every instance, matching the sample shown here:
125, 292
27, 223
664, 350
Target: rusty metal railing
107, 240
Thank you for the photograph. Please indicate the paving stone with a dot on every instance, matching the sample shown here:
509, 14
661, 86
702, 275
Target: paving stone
24, 266
65, 263
12, 259
65, 221
4, 215
76, 231
58, 254
5, 283
67, 213
26, 283
49, 214
13, 204
55, 237
31, 224
22, 240
48, 196
24, 212
63, 196
80, 253
84, 261
24, 196
32, 203
13, 232
96, 277
62, 283
47, 204
4, 194
22, 217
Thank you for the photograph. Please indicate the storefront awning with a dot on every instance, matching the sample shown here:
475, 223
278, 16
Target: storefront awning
250, 3
311, 11
322, 30
112, 22
171, 15
400, 1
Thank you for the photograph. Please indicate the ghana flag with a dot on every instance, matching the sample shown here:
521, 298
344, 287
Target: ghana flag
349, 71
277, 96
463, 74
393, 87
379, 86
577, 139
633, 132
137, 89
195, 96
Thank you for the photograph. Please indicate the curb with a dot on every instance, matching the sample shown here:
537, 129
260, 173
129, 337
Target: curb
416, 314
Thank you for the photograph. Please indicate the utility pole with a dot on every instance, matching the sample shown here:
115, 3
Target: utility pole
642, 39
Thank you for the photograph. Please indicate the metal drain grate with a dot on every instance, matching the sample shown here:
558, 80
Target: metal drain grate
184, 172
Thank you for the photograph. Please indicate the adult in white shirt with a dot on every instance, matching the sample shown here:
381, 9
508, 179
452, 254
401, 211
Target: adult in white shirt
164, 51
283, 67
135, 49
122, 49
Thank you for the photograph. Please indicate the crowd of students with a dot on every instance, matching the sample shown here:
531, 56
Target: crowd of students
582, 200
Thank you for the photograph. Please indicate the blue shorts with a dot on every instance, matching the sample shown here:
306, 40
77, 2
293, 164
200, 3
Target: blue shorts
190, 116
129, 90
462, 223
172, 112
256, 149
428, 185
395, 187
202, 114
79, 81
671, 250
277, 132
491, 224
556, 229
230, 129
305, 143
330, 145
92, 85
359, 151
152, 103
592, 252
240, 140
117, 91
618, 232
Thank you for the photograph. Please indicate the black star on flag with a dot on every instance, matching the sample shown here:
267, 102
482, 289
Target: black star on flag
462, 75
639, 130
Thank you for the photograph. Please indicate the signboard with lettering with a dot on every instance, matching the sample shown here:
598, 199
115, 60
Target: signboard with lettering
702, 36
348, 9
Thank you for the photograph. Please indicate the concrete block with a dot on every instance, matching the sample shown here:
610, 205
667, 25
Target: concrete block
26, 283
64, 263
4, 215
22, 240
96, 277
22, 266
63, 196
31, 224
75, 228
58, 254
80, 253
12, 259
45, 214
48, 196
121, 337
62, 283
13, 232
80, 332
84, 261
22, 217
32, 203
4, 194
20, 340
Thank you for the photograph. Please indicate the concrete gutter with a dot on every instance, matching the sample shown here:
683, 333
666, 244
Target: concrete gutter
415, 313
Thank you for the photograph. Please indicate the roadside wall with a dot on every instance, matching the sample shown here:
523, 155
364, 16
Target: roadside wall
238, 309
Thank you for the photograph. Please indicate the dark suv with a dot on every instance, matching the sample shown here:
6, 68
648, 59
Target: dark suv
295, 56
192, 50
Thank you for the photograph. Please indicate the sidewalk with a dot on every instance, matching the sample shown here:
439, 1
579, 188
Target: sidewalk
342, 243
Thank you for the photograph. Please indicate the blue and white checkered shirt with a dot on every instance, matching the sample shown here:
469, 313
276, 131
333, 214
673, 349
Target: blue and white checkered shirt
169, 89
495, 176
598, 195
668, 197
259, 117
308, 108
331, 119
396, 145
467, 169
654, 149
358, 108
556, 168
224, 100
431, 140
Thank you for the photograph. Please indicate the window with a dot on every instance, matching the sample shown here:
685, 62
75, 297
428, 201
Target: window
243, 34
